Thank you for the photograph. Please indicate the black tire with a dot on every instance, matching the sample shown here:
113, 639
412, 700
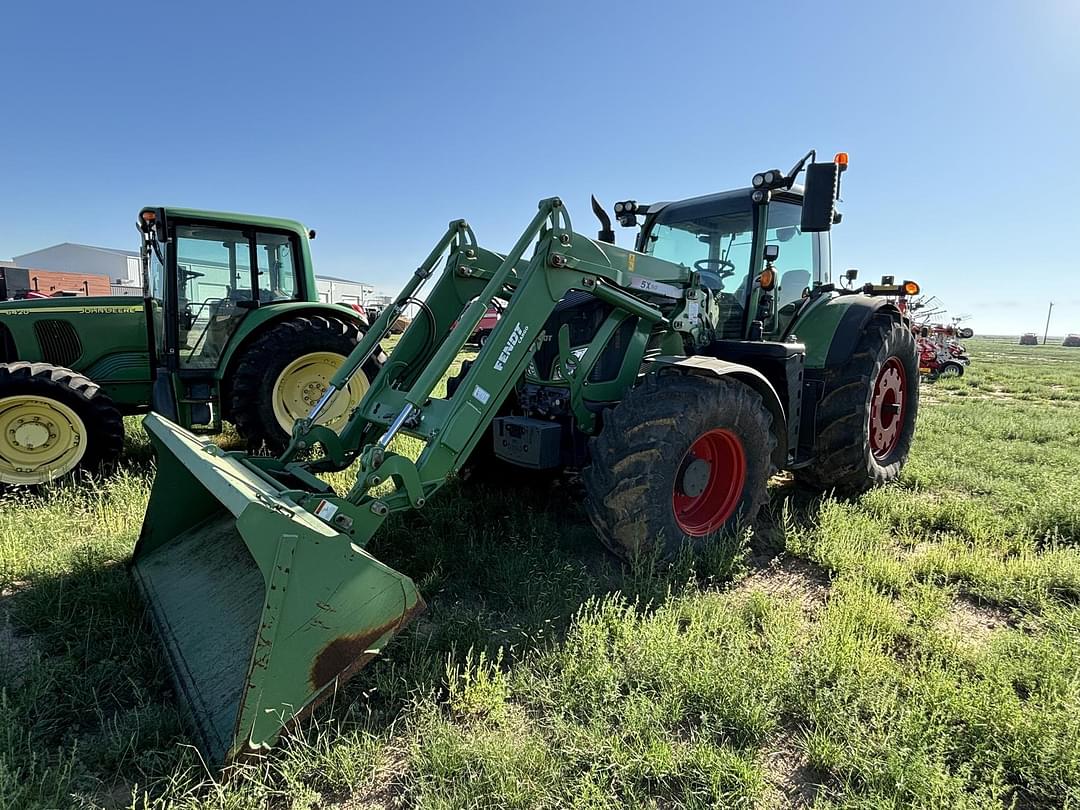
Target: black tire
951, 368
845, 460
261, 362
641, 456
102, 422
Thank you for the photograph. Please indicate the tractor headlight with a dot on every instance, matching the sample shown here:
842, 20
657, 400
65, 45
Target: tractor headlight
758, 181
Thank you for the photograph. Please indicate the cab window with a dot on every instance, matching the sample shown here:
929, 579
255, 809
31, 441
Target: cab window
277, 268
796, 265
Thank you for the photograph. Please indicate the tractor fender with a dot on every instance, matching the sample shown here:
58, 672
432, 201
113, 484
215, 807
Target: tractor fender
714, 367
830, 328
258, 320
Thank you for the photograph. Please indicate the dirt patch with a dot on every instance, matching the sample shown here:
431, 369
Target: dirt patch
972, 623
793, 781
387, 791
792, 578
16, 651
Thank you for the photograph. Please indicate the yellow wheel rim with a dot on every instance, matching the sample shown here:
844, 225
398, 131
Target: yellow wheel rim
40, 439
301, 383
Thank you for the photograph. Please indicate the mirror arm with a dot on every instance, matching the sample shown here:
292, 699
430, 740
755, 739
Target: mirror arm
798, 167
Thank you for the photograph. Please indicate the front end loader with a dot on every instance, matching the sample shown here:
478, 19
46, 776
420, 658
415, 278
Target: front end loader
678, 377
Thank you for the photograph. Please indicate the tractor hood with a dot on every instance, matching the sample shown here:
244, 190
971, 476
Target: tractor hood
103, 304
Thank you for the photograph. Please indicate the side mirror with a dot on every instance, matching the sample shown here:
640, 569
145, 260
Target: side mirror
772, 253
819, 197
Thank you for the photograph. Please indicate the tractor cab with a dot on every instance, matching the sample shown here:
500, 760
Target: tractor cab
205, 276
716, 235
760, 251
213, 281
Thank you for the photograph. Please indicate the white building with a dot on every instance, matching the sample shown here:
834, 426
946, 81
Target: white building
343, 290
121, 266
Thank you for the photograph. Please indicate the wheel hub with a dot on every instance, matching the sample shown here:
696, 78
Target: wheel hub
696, 477
709, 483
312, 392
32, 434
887, 408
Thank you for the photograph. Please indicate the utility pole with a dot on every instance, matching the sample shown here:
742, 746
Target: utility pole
1047, 330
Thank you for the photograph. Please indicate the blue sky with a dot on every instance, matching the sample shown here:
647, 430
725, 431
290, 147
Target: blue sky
378, 123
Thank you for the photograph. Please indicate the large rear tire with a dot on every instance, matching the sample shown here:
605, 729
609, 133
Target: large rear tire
285, 371
54, 422
681, 458
866, 417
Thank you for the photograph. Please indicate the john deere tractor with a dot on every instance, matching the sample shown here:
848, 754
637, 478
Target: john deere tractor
677, 377
230, 328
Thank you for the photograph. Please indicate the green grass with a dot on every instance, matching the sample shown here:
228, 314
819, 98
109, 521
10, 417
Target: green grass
917, 647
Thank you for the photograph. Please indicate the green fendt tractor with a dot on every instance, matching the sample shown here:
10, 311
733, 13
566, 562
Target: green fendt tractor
231, 323
678, 376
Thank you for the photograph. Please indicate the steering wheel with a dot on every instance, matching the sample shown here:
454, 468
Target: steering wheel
722, 267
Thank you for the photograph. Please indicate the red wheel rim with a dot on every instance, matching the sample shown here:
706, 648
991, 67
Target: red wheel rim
887, 403
709, 483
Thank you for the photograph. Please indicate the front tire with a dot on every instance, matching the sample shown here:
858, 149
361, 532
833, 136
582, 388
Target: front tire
866, 417
286, 370
54, 422
681, 457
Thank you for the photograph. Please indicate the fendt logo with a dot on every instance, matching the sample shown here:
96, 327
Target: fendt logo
516, 337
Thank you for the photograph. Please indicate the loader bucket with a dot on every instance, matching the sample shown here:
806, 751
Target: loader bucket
261, 607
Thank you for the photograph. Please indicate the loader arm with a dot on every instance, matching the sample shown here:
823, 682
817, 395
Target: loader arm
401, 397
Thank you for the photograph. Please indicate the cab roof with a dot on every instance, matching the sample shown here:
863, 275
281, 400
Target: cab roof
693, 207
226, 217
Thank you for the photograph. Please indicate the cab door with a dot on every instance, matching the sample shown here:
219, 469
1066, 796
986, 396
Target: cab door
803, 261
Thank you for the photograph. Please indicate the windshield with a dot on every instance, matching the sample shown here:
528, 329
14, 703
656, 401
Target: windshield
717, 245
716, 239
